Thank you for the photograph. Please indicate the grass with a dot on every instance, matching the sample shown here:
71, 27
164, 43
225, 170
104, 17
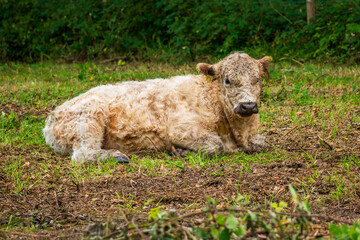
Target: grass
310, 115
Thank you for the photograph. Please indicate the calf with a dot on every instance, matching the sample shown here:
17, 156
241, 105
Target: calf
214, 111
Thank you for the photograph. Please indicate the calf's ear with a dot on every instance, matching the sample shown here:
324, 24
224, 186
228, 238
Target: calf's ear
206, 69
265, 61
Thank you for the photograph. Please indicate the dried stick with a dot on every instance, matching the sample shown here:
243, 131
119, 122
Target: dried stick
56, 199
139, 231
292, 129
320, 77
329, 145
300, 148
111, 234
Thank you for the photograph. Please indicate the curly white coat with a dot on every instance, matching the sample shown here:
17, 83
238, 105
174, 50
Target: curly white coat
184, 111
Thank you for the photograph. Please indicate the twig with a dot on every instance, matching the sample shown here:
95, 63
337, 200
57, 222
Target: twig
111, 234
127, 224
292, 60
176, 153
329, 145
77, 185
139, 231
281, 14
300, 148
26, 234
320, 77
111, 60
356, 5
292, 129
57, 203
139, 171
253, 234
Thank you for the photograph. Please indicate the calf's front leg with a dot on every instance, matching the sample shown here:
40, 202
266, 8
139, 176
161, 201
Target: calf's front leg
256, 143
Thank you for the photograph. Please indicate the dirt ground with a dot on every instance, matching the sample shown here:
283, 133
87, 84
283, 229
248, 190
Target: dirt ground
63, 207
61, 204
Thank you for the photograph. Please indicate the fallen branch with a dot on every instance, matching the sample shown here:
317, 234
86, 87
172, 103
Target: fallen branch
292, 59
320, 77
143, 236
176, 152
329, 145
298, 149
292, 129
111, 234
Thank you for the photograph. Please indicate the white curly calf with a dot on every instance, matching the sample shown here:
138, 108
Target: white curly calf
187, 112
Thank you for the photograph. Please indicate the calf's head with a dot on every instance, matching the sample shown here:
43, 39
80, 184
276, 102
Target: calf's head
240, 81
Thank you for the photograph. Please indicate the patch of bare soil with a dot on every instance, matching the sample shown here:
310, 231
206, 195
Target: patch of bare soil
60, 204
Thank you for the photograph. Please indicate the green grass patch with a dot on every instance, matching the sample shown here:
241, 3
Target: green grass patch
310, 116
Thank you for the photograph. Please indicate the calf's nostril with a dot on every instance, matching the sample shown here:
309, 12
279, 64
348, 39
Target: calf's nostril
255, 109
246, 109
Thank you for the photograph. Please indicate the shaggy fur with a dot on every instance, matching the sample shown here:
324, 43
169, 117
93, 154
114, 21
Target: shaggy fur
184, 111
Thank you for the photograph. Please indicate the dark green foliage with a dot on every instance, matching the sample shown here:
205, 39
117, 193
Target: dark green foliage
334, 33
31, 30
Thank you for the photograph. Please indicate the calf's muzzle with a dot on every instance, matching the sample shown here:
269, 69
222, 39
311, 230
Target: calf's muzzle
246, 109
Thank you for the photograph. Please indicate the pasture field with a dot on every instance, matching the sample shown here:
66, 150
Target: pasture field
304, 185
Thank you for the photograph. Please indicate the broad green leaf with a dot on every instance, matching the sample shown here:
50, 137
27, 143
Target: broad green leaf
214, 233
283, 205
252, 216
220, 219
239, 198
240, 231
306, 206
292, 191
265, 226
231, 222
224, 234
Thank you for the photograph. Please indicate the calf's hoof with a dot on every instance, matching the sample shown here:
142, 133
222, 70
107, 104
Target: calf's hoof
121, 160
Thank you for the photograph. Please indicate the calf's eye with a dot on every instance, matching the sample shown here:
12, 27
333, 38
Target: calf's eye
227, 81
